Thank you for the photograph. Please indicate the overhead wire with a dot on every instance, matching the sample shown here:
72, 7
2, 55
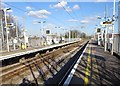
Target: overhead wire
75, 15
74, 12
53, 17
69, 12
66, 11
41, 9
24, 10
15, 7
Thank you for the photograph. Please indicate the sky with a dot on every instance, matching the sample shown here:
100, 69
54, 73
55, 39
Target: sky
60, 16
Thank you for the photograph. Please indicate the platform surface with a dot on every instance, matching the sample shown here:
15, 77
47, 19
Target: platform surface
97, 67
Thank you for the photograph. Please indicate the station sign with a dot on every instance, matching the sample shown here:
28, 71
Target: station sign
98, 30
47, 31
107, 22
10, 25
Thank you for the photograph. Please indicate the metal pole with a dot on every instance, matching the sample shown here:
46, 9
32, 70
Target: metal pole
119, 26
6, 29
42, 33
42, 30
14, 46
69, 35
1, 44
113, 29
24, 33
105, 38
105, 49
2, 30
24, 37
57, 31
2, 34
16, 31
16, 35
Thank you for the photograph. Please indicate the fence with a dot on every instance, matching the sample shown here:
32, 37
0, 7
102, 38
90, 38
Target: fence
32, 43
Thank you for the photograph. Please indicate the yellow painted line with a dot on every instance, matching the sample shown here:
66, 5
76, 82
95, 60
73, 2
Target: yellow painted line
86, 79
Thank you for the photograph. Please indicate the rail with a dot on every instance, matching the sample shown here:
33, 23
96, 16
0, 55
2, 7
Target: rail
61, 77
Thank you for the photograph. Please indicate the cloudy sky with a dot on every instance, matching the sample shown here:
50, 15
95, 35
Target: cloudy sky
66, 15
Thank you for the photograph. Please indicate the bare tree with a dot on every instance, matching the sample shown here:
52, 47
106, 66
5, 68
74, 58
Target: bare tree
74, 34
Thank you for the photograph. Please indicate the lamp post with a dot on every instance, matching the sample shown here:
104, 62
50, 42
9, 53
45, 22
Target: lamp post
106, 38
113, 18
69, 35
25, 37
16, 28
41, 26
57, 27
113, 22
5, 10
42, 30
2, 34
1, 25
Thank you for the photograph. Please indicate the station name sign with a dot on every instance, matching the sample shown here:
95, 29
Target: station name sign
107, 22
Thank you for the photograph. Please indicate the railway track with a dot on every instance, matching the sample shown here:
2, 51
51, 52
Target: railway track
66, 69
45, 64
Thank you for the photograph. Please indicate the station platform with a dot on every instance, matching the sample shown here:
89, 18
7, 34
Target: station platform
96, 67
8, 55
5, 52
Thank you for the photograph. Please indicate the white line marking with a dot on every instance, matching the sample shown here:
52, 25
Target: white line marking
66, 83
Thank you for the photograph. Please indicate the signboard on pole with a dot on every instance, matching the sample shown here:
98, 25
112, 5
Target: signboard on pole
10, 24
107, 22
98, 30
47, 31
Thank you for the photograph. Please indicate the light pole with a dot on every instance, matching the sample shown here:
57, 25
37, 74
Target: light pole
64, 32
16, 28
5, 10
106, 30
69, 35
113, 18
110, 22
41, 22
42, 30
25, 37
2, 34
106, 38
1, 23
57, 27
17, 38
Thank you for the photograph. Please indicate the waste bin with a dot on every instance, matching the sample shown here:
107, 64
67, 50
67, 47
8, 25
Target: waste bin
23, 46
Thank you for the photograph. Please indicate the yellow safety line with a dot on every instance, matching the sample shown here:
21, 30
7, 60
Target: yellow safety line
86, 79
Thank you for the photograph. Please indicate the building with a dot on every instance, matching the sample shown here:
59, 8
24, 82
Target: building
117, 36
